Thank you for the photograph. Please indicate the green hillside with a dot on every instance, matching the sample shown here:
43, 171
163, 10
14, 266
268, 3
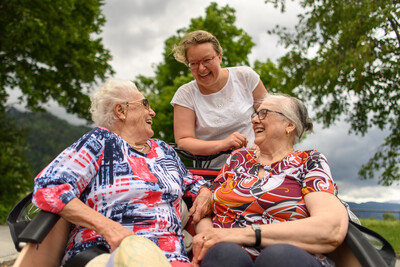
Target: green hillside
47, 135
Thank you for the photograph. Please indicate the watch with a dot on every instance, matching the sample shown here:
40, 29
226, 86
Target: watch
257, 229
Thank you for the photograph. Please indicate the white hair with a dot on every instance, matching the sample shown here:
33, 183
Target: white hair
113, 92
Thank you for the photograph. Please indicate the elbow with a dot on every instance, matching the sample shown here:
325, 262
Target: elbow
335, 235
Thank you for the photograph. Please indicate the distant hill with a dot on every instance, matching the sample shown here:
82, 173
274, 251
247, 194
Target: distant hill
47, 136
377, 206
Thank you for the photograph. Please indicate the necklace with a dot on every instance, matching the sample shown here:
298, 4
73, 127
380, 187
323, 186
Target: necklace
139, 148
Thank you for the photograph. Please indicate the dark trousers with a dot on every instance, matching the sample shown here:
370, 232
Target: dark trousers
282, 255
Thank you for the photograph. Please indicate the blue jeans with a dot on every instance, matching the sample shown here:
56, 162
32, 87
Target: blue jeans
282, 255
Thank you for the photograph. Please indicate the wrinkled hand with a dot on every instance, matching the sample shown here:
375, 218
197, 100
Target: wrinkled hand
202, 205
203, 241
235, 140
113, 232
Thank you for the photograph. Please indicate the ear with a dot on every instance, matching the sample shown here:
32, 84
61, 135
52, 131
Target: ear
220, 58
119, 111
290, 127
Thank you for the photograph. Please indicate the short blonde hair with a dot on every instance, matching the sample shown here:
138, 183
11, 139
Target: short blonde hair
112, 92
294, 110
191, 39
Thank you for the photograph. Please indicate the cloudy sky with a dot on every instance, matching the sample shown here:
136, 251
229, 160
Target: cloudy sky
135, 33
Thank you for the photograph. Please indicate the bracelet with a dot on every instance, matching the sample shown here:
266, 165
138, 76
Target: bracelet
257, 230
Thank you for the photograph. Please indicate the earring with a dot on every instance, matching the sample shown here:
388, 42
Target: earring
124, 117
287, 133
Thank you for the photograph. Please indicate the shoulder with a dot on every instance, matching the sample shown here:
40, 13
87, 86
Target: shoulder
241, 70
312, 158
185, 94
161, 144
243, 155
187, 88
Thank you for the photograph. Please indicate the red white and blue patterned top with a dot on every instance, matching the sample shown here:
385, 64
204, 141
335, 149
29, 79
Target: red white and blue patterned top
241, 198
141, 191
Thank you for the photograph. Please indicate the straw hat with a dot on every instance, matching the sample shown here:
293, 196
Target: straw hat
134, 250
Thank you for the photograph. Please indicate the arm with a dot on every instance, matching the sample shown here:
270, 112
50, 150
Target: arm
80, 214
201, 205
258, 94
322, 232
185, 136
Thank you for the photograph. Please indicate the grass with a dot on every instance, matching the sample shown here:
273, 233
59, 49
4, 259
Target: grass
390, 230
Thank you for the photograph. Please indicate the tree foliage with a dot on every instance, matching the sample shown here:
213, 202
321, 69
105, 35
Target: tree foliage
15, 173
48, 51
344, 57
170, 74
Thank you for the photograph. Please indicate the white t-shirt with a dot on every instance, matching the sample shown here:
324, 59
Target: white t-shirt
220, 114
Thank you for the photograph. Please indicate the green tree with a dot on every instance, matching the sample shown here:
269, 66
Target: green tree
48, 51
170, 74
16, 177
389, 217
344, 57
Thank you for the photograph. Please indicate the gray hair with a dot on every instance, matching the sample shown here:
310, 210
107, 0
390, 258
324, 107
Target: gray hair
112, 92
191, 39
295, 111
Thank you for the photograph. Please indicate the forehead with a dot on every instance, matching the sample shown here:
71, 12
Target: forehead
200, 51
136, 96
269, 104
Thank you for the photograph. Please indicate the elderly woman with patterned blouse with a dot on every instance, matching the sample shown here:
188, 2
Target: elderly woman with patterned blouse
116, 181
275, 206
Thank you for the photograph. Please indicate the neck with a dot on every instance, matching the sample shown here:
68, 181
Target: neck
267, 157
138, 143
218, 85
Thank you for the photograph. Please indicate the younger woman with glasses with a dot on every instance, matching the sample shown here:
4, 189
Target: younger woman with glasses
211, 113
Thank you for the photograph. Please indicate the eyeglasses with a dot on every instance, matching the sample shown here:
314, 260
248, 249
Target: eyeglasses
205, 62
262, 113
143, 101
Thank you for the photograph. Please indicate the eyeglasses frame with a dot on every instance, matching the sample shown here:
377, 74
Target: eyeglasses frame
145, 102
266, 113
205, 62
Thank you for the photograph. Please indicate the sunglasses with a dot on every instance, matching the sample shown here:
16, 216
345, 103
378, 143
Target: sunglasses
262, 113
143, 101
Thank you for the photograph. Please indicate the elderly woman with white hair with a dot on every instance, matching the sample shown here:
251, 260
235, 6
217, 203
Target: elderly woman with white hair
116, 181
274, 206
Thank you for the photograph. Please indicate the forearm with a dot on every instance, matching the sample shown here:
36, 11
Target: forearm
200, 147
203, 225
78, 213
313, 234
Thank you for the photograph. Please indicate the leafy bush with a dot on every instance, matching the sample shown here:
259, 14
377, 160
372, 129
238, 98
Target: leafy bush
389, 217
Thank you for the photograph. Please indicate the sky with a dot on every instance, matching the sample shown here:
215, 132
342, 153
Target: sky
135, 33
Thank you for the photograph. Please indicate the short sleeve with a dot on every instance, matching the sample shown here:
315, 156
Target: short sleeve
317, 175
69, 173
184, 96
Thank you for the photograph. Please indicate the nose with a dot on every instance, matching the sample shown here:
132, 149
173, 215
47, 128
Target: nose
255, 119
201, 66
151, 112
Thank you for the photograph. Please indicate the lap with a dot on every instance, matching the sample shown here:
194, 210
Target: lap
232, 255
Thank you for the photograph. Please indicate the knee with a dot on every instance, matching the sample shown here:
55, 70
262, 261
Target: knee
227, 254
285, 255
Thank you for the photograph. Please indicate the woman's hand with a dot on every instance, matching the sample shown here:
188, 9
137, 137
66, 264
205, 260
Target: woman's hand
113, 232
78, 213
202, 205
203, 241
235, 141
